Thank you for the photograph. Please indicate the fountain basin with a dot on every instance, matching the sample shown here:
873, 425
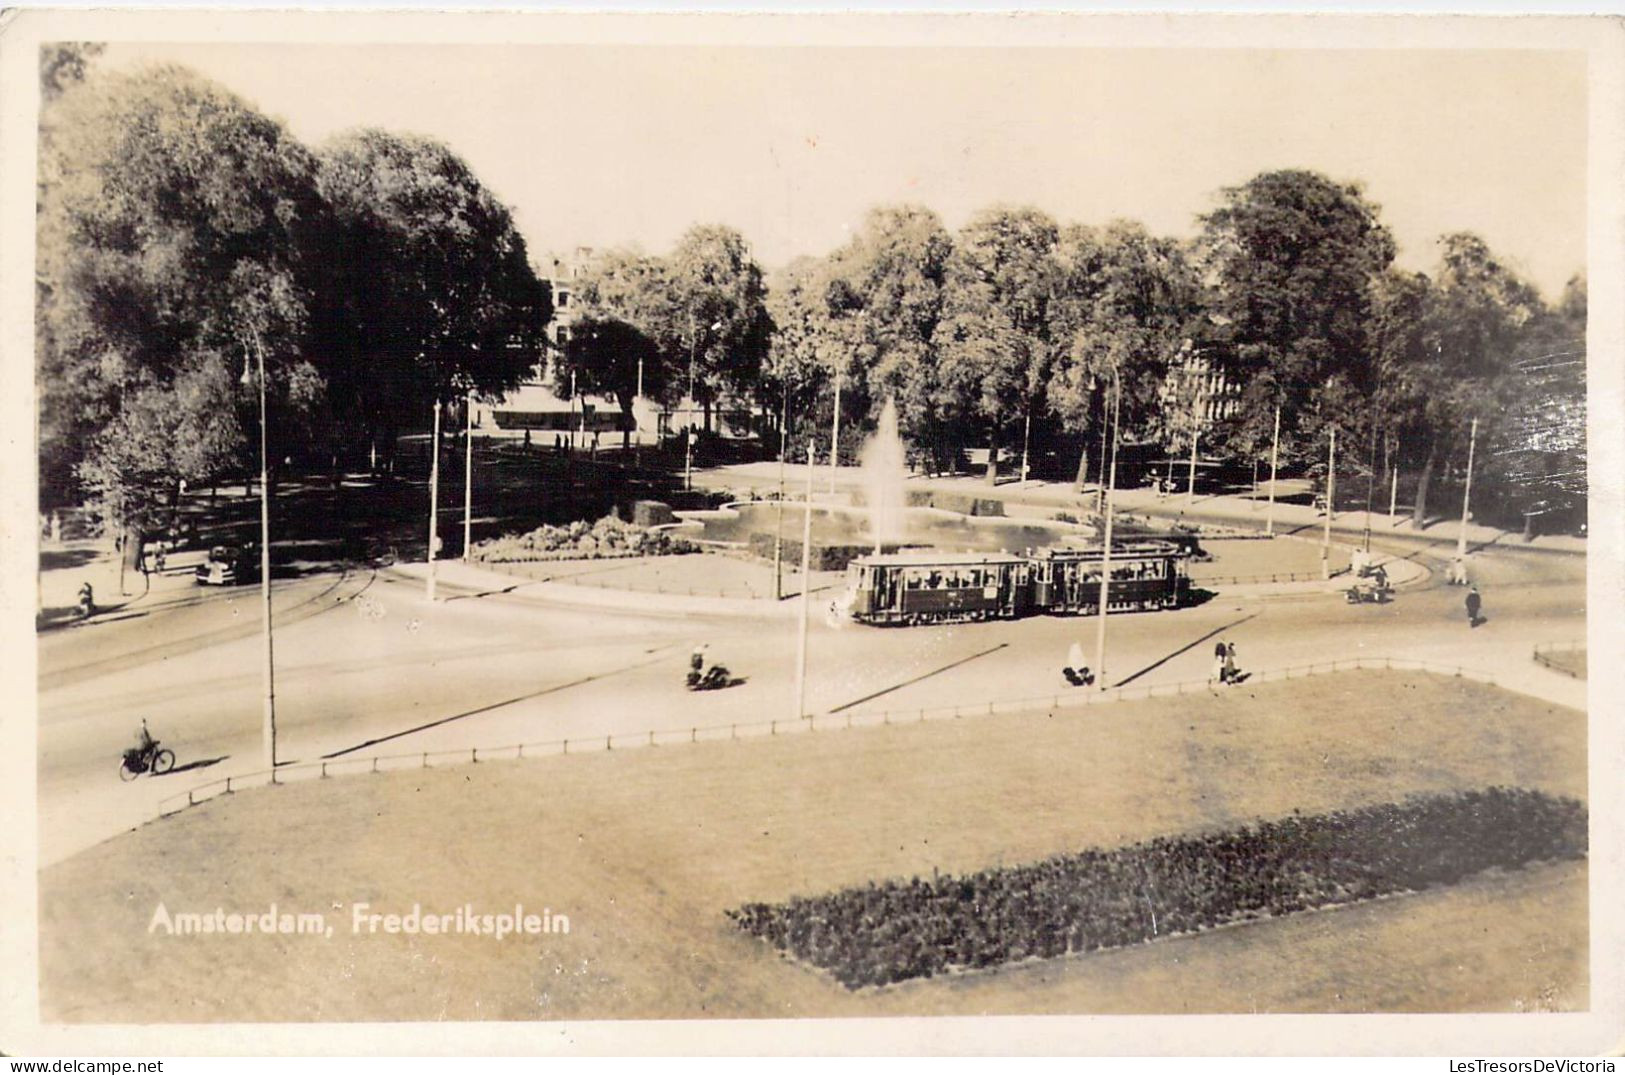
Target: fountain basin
750, 523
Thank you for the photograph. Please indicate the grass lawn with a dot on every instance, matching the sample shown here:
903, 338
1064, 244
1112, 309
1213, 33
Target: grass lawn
1252, 558
704, 574
645, 849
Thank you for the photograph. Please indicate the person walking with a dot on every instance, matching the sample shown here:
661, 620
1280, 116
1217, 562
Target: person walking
1474, 603
1230, 662
1219, 655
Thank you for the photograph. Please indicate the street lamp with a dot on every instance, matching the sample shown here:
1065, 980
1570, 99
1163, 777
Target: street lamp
1106, 544
778, 530
269, 727
468, 474
688, 432
806, 589
1466, 494
1331, 506
434, 499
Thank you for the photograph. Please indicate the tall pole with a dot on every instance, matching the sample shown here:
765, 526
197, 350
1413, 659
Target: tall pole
434, 495
1393, 494
1190, 487
688, 430
1275, 455
468, 478
1331, 499
1106, 545
835, 434
1370, 484
778, 529
806, 589
268, 731
1466, 494
1026, 439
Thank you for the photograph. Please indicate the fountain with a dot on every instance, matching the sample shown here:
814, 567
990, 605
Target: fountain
881, 519
884, 468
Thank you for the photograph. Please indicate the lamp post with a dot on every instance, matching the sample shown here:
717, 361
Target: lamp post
688, 434
1331, 500
468, 476
835, 433
806, 589
1370, 484
1106, 544
1466, 494
1275, 455
1393, 484
778, 529
268, 731
434, 498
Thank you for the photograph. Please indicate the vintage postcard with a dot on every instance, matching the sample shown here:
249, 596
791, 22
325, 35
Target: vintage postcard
678, 529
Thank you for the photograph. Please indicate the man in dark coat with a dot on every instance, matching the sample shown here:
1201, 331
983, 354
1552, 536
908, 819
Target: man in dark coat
1474, 603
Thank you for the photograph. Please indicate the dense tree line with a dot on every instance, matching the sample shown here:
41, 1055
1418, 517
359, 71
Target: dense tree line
182, 234
184, 238
1095, 899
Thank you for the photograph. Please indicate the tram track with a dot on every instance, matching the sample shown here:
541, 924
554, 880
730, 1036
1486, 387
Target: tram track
313, 605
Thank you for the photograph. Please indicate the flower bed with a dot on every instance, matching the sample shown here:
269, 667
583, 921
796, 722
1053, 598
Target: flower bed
608, 538
1095, 899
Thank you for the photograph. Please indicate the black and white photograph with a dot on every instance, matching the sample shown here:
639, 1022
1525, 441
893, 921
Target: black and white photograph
549, 520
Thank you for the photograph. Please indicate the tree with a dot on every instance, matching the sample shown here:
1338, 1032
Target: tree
622, 337
719, 319
432, 293
993, 339
1126, 302
1293, 257
1449, 347
894, 270
803, 356
170, 241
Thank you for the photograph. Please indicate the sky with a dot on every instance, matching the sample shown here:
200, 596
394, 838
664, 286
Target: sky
609, 145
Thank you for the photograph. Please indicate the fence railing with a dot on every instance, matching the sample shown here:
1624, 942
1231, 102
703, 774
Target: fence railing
1550, 655
811, 723
1275, 576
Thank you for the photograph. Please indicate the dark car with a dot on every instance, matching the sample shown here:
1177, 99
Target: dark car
227, 565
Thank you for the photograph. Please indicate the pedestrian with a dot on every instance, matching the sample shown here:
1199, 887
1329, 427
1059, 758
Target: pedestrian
1219, 654
527, 438
696, 659
1474, 603
1230, 662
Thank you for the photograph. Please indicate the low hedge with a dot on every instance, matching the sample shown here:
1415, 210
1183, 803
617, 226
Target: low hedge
962, 503
822, 557
1096, 899
608, 538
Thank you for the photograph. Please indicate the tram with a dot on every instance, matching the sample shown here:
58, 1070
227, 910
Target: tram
927, 586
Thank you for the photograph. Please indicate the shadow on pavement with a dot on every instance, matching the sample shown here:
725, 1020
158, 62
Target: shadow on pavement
1185, 649
201, 763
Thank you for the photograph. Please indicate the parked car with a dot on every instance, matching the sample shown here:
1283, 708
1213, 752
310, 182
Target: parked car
227, 565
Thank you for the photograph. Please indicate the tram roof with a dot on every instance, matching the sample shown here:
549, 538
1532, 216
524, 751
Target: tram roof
946, 558
938, 558
1144, 547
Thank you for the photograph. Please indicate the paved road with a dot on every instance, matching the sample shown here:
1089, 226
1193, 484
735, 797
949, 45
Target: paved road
366, 666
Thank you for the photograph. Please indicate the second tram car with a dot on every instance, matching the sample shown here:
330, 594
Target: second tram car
933, 587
